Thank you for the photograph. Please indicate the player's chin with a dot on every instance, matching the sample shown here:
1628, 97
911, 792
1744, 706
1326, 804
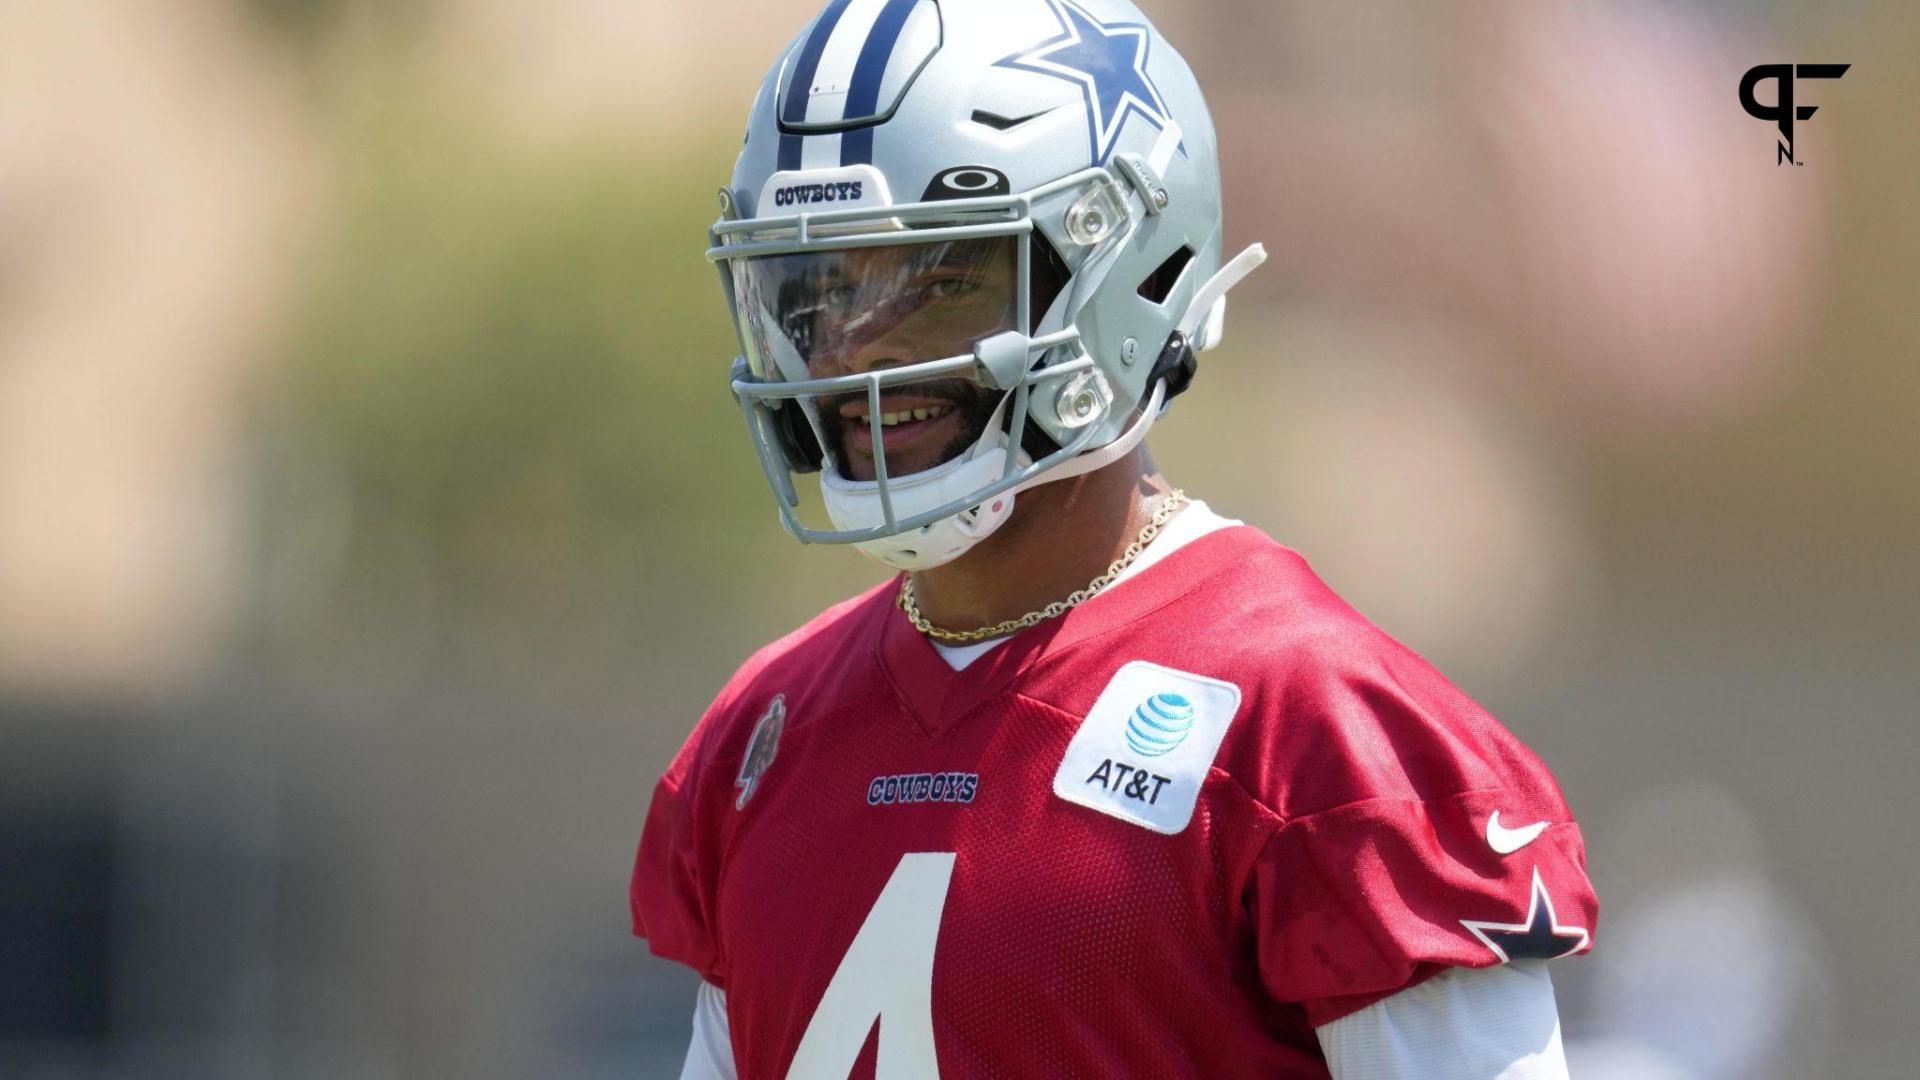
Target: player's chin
860, 466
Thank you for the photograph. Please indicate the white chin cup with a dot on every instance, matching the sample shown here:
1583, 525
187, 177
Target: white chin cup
855, 504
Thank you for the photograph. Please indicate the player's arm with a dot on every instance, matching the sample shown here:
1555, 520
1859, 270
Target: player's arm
1497, 1023
710, 1054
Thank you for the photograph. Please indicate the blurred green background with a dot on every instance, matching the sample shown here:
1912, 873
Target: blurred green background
374, 520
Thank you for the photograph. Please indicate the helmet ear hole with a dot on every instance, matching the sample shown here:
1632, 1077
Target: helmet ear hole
796, 437
1157, 286
1048, 274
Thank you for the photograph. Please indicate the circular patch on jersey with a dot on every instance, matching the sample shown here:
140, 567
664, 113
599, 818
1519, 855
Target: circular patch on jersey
1159, 724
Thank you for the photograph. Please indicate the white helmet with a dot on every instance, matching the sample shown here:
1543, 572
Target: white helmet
976, 239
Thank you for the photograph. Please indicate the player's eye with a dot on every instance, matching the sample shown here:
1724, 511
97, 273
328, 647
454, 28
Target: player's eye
839, 297
949, 288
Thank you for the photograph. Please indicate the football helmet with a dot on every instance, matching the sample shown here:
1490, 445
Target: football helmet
970, 246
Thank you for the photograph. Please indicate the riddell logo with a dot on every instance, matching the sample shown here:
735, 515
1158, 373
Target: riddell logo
1782, 111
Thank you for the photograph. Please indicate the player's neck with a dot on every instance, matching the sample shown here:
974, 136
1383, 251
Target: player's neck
1060, 537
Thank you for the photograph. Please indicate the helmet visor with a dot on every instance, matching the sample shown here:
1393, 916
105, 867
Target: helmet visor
830, 314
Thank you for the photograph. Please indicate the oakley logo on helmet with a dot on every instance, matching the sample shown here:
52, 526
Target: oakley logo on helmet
967, 182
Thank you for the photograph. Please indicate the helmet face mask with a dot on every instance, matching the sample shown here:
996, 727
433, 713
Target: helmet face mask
819, 315
900, 348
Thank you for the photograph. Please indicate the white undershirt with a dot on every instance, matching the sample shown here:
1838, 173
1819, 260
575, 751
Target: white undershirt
1499, 1023
1182, 529
711, 1055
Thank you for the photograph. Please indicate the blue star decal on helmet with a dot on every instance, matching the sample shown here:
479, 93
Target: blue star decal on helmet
1109, 63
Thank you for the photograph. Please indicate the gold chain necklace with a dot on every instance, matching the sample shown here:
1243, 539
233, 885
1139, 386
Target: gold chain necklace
1174, 501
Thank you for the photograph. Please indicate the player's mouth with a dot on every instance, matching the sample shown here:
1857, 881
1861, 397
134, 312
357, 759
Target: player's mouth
909, 427
905, 425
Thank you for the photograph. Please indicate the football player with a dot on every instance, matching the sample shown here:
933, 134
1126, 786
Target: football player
1102, 783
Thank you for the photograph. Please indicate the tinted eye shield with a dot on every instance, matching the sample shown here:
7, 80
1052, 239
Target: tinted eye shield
819, 313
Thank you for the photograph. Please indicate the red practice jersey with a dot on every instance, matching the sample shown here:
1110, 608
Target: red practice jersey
1166, 834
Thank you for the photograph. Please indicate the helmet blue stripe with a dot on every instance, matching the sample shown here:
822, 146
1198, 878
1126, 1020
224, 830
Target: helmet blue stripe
798, 86
856, 147
809, 62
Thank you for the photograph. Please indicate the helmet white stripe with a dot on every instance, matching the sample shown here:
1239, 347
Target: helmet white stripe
820, 152
801, 79
836, 65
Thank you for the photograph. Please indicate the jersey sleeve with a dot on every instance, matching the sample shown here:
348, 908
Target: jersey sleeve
1443, 843
691, 820
677, 868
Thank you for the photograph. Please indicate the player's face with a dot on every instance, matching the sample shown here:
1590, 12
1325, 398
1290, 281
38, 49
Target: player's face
848, 312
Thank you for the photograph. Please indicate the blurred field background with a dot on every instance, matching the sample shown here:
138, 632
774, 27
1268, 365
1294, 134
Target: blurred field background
374, 520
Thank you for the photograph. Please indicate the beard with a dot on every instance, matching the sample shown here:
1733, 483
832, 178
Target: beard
972, 403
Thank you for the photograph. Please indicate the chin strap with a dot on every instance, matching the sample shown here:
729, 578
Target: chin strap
1108, 454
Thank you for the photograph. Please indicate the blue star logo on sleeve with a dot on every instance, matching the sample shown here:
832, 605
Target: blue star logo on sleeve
1537, 937
1109, 62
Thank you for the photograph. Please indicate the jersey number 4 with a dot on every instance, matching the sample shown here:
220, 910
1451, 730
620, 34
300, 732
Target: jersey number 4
885, 976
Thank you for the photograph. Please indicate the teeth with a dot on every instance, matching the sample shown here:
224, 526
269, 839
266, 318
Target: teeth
888, 419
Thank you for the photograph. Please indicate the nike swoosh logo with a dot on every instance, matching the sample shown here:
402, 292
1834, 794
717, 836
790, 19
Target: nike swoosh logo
1507, 841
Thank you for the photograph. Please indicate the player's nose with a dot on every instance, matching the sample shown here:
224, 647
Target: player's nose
859, 354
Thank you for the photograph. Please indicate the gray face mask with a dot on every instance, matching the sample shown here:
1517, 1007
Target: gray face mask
848, 312
894, 139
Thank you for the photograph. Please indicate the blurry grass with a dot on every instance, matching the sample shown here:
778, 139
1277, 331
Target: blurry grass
504, 398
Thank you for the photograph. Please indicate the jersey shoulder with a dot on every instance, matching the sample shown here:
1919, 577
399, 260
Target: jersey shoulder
1373, 787
1333, 710
1347, 713
718, 770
